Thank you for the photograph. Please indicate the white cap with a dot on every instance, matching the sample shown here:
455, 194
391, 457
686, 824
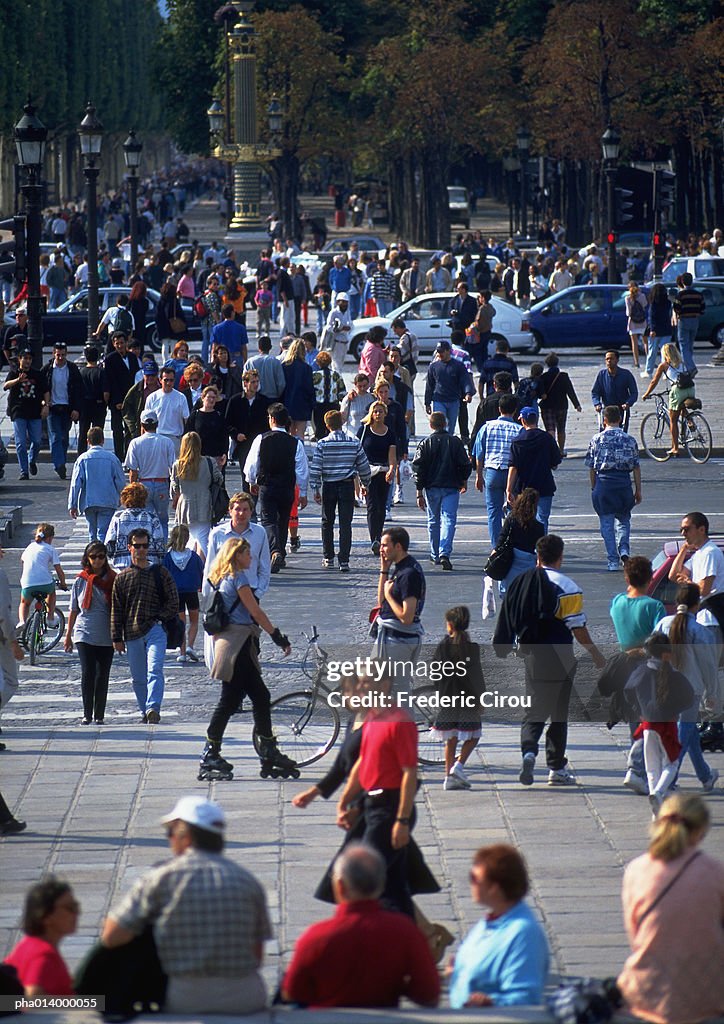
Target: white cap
342, 297
195, 810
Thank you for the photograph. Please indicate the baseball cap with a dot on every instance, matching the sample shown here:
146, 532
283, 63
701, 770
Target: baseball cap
529, 412
21, 311
150, 368
149, 417
59, 344
25, 352
195, 810
443, 346
342, 297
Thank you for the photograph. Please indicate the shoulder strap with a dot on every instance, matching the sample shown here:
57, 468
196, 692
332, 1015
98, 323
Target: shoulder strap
666, 888
156, 570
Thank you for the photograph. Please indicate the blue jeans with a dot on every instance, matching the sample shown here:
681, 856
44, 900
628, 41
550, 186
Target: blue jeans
495, 483
544, 510
522, 562
59, 430
691, 745
687, 333
24, 429
354, 303
442, 516
145, 660
616, 533
206, 327
653, 355
451, 410
384, 306
613, 499
158, 501
98, 520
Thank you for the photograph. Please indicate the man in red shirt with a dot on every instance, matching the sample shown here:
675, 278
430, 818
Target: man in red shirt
364, 955
386, 772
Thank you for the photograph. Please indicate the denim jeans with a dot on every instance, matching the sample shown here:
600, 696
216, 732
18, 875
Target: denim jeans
653, 355
544, 510
145, 660
442, 516
495, 483
451, 410
98, 520
59, 431
158, 501
337, 495
687, 333
354, 305
206, 327
24, 429
616, 533
384, 307
691, 745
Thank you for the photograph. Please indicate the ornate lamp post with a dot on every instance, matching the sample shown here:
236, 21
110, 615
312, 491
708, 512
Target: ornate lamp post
610, 144
30, 136
523, 141
236, 140
132, 155
90, 134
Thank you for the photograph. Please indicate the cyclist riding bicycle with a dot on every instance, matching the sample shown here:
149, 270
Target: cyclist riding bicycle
39, 560
682, 388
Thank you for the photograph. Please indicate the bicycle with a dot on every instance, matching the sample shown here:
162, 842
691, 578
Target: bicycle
694, 430
38, 636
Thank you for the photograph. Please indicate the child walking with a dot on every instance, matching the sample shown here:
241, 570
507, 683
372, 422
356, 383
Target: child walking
462, 721
187, 571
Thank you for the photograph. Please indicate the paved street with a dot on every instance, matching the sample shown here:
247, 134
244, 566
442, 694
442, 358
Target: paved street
93, 796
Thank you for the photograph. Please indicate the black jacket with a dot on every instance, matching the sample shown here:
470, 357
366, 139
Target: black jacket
76, 388
462, 312
119, 377
441, 461
529, 605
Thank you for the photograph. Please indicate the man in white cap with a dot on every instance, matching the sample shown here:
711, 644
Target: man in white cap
208, 915
335, 336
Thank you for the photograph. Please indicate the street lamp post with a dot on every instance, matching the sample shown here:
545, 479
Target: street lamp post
30, 136
610, 144
90, 134
523, 140
132, 155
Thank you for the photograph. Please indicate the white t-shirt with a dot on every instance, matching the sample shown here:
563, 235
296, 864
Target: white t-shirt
38, 561
172, 410
708, 561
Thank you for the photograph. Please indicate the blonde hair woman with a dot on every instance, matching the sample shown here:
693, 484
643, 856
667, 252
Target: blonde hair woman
682, 387
636, 307
236, 664
673, 907
299, 387
191, 480
380, 446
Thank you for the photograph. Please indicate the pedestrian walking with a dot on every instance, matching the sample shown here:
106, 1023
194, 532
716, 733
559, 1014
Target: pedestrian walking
149, 461
491, 456
689, 307
614, 386
95, 485
63, 399
170, 407
440, 468
556, 392
143, 596
187, 572
133, 514
379, 443
636, 309
25, 387
94, 408
193, 476
121, 368
612, 457
89, 628
533, 457
448, 384
521, 531
401, 590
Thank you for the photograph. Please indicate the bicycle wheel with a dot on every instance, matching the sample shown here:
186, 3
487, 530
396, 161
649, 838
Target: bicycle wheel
430, 747
696, 435
655, 437
53, 632
305, 726
33, 635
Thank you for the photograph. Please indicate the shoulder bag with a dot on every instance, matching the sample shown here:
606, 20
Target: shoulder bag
501, 559
176, 322
219, 496
175, 628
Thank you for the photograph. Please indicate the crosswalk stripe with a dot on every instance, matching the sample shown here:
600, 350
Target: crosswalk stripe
32, 698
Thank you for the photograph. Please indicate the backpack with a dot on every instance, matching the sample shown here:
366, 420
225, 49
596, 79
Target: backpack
123, 321
637, 313
216, 617
200, 308
527, 393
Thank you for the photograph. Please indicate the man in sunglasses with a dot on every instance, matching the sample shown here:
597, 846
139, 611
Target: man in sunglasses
144, 596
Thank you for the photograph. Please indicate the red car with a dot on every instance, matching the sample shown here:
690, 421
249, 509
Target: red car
661, 586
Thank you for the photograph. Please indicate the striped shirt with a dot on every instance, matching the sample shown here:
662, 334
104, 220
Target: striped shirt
492, 445
569, 610
338, 457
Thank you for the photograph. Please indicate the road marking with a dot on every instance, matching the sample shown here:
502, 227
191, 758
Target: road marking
116, 697
69, 716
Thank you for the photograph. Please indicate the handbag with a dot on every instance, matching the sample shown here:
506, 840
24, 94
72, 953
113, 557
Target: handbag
174, 627
498, 565
219, 497
216, 617
177, 323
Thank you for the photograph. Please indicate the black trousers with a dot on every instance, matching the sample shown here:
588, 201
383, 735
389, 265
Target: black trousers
549, 677
380, 813
90, 416
95, 670
376, 505
337, 496
318, 413
120, 434
275, 506
246, 681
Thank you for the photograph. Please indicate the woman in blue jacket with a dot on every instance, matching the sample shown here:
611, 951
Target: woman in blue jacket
299, 388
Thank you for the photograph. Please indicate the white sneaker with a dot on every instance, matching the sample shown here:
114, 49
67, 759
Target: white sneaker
655, 802
636, 783
457, 771
643, 374
399, 498
453, 782
182, 659
561, 777
711, 781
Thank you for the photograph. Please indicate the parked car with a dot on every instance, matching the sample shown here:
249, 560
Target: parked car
661, 586
458, 204
711, 324
428, 315
697, 266
69, 322
586, 316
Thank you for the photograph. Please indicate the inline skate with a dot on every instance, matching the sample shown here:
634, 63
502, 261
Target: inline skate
274, 764
212, 766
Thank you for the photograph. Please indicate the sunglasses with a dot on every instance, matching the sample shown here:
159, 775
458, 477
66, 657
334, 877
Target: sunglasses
96, 558
136, 547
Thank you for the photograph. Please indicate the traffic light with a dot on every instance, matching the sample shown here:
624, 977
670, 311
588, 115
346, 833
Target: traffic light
621, 204
664, 186
612, 238
12, 248
659, 241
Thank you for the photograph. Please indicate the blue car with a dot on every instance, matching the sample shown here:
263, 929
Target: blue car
584, 316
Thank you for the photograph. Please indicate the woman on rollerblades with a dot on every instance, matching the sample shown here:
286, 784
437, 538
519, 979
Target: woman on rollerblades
236, 665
